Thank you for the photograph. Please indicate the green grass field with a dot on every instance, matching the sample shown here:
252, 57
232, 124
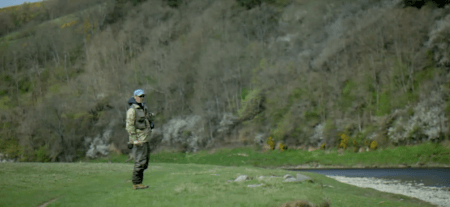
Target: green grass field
109, 184
427, 154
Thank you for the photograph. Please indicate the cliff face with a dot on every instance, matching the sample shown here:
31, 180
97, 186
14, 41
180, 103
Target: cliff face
223, 73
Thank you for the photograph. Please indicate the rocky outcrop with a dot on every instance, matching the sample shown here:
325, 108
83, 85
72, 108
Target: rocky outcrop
426, 121
99, 145
192, 133
4, 158
187, 133
439, 48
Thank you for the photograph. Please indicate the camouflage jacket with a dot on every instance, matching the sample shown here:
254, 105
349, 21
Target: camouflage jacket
138, 122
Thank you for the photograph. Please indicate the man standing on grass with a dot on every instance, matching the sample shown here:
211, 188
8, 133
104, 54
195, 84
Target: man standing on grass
139, 127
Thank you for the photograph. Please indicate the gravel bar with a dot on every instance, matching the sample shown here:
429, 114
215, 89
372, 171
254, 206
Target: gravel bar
439, 196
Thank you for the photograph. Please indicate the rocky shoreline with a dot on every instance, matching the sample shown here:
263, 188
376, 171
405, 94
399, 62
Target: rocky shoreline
439, 196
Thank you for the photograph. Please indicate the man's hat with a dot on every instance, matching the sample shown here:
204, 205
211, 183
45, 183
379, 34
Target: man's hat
138, 92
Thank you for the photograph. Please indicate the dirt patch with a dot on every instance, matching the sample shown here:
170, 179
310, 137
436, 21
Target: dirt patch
48, 202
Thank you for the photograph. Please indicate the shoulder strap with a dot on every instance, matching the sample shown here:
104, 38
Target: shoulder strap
134, 106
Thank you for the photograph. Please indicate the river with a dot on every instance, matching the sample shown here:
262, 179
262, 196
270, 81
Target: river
438, 177
428, 184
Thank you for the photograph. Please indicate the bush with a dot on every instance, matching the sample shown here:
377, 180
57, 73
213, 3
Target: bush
10, 147
343, 142
271, 143
283, 147
251, 105
41, 154
373, 145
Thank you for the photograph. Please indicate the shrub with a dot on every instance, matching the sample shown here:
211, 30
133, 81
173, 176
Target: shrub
41, 154
271, 143
283, 147
10, 147
252, 105
373, 145
343, 142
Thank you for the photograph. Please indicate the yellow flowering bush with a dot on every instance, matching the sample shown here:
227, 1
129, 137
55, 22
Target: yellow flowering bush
373, 145
271, 143
343, 143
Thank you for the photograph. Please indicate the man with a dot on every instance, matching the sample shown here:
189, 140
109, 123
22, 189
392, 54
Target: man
139, 127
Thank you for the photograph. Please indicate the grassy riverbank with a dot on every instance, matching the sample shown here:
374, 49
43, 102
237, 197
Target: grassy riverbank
104, 184
427, 154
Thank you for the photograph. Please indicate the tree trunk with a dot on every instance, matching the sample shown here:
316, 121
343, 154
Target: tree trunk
65, 67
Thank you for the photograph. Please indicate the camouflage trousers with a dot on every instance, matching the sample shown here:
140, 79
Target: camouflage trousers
141, 155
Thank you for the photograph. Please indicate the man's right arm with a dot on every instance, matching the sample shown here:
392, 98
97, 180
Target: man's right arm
131, 129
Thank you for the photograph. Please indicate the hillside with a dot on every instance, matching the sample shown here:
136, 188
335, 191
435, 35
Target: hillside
307, 73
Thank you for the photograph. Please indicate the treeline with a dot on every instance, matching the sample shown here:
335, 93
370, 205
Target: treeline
44, 52
301, 72
47, 106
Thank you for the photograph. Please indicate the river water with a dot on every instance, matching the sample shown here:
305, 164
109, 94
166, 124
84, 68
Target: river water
438, 177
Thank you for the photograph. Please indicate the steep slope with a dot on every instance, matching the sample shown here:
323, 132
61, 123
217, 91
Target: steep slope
316, 73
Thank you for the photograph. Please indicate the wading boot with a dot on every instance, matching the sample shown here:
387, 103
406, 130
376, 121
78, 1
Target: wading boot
139, 186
